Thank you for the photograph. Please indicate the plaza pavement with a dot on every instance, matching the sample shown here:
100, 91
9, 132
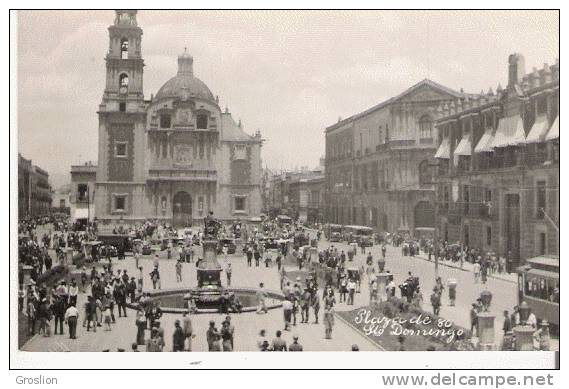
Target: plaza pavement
247, 325
311, 335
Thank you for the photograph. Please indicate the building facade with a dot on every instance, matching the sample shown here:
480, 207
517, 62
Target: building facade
61, 200
176, 156
298, 194
380, 165
498, 166
82, 193
34, 190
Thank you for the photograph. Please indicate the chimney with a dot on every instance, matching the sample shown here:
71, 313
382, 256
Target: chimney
516, 69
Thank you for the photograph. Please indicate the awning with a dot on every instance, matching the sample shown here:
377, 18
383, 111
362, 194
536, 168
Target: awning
554, 130
444, 150
538, 130
510, 132
484, 144
464, 147
81, 213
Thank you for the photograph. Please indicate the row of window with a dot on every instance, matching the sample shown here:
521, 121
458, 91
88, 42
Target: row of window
201, 121
120, 203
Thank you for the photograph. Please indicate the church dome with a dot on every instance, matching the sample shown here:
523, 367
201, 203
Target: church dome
185, 84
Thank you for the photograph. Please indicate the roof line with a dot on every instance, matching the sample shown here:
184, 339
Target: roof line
425, 81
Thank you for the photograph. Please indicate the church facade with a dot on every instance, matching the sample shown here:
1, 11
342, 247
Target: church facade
176, 156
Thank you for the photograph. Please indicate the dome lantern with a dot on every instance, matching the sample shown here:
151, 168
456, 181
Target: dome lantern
185, 63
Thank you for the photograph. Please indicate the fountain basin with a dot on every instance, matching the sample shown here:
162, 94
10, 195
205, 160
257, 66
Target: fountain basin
174, 300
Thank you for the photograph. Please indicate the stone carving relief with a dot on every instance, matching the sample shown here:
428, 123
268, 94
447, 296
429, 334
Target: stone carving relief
183, 155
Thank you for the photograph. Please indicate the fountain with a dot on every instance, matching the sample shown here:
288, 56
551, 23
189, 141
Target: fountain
210, 296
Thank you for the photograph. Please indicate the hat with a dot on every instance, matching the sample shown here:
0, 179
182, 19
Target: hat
295, 337
298, 278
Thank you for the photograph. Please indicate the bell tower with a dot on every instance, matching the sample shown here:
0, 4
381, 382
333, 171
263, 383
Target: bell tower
124, 59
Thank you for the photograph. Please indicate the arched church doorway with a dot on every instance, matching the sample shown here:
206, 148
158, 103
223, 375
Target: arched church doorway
182, 210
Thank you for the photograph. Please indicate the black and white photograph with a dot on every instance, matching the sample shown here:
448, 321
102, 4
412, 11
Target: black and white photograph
244, 181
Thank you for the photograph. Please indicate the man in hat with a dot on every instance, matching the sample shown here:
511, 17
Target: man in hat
295, 346
230, 329
71, 317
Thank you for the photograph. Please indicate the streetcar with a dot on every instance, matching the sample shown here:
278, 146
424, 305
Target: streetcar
361, 235
538, 286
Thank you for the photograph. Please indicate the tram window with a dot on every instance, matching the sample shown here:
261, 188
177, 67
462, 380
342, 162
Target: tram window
542, 288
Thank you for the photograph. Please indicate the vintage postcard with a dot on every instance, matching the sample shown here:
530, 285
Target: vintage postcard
250, 181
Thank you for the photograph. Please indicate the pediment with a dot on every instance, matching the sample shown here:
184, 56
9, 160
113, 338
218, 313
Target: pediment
425, 91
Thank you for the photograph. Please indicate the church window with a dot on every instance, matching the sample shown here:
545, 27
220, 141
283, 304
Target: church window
239, 203
201, 121
124, 48
165, 121
425, 126
123, 83
122, 107
121, 149
119, 203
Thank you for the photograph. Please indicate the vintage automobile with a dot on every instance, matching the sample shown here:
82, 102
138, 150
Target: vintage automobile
333, 232
117, 240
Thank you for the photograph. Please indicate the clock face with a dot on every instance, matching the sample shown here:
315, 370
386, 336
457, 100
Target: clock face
123, 90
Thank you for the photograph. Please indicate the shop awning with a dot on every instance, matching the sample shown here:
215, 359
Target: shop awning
554, 130
538, 130
444, 150
510, 132
484, 144
464, 147
81, 213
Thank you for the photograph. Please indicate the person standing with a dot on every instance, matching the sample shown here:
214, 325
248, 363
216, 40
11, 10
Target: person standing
187, 327
305, 305
71, 318
329, 303
178, 338
226, 336
315, 302
436, 302
73, 292
213, 336
474, 319
507, 326
179, 270
59, 314
476, 270
140, 327
228, 272
351, 291
261, 297
287, 312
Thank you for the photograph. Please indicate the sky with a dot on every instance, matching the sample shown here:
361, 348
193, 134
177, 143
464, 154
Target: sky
289, 74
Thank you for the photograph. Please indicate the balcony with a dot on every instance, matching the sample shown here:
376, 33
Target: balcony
535, 159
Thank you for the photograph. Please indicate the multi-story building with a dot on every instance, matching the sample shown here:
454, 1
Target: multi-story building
498, 166
82, 192
298, 194
34, 190
176, 156
61, 199
379, 163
